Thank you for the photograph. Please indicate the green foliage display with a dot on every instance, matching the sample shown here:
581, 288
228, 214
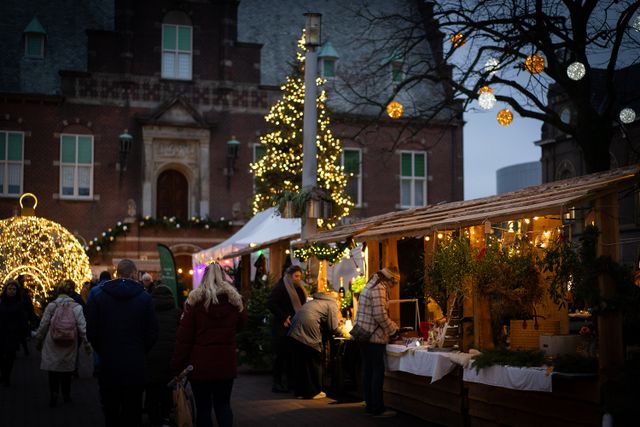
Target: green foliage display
358, 284
254, 341
502, 356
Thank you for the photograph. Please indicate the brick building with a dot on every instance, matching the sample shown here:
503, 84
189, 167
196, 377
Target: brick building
562, 157
114, 109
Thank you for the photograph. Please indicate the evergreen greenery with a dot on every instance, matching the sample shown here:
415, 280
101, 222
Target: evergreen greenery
254, 341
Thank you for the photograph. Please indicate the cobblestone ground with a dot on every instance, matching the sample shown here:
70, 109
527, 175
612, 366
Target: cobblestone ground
25, 403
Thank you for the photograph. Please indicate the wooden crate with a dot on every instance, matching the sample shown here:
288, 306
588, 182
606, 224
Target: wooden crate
524, 335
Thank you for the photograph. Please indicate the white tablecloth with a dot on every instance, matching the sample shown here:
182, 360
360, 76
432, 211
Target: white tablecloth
418, 361
532, 379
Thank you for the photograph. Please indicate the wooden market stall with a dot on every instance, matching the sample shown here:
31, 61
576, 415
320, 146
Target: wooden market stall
538, 211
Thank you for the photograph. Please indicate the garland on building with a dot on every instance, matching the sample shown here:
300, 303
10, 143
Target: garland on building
322, 251
280, 169
102, 242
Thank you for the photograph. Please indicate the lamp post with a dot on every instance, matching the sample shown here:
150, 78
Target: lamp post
125, 147
310, 129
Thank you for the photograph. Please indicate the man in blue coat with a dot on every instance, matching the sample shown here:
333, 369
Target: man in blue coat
122, 327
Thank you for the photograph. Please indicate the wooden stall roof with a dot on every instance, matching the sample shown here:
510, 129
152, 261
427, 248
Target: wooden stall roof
546, 199
250, 249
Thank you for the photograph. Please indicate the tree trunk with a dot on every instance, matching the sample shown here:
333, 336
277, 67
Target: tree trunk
594, 137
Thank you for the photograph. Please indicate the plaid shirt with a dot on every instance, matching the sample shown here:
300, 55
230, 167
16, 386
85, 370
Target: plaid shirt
373, 306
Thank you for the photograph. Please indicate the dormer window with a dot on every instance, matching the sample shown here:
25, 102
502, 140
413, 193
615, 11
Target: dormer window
34, 37
328, 57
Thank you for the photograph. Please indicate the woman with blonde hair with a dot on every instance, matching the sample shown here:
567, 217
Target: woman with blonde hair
62, 328
206, 339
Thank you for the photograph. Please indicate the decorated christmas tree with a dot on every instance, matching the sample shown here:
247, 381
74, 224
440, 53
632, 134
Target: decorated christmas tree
279, 170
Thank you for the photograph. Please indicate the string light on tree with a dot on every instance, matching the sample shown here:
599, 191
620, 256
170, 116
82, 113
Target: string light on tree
627, 115
280, 169
395, 110
636, 23
576, 71
534, 63
505, 117
491, 66
487, 99
458, 40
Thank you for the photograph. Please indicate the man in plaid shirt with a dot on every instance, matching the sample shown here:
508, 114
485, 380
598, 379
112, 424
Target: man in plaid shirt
373, 316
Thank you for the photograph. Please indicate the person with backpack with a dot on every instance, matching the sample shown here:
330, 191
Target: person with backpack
62, 329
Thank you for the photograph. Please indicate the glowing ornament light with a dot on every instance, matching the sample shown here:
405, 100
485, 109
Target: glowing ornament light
504, 117
627, 115
42, 250
534, 63
491, 66
636, 23
487, 100
485, 89
457, 40
576, 71
395, 109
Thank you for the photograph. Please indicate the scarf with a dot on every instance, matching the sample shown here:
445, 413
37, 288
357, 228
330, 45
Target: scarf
293, 295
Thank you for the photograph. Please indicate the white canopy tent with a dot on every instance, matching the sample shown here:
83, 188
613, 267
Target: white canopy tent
265, 226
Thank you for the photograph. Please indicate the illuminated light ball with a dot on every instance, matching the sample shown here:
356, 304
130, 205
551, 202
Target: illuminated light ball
576, 71
491, 66
534, 63
487, 100
504, 117
395, 109
457, 40
636, 23
627, 115
42, 250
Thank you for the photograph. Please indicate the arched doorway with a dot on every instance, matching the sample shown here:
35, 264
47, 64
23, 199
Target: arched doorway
172, 195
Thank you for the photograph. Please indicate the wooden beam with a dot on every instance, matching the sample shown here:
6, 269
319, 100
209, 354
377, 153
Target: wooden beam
390, 259
245, 276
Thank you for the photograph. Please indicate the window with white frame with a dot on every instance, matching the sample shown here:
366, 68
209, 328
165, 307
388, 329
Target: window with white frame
34, 45
76, 166
352, 163
177, 52
413, 179
11, 162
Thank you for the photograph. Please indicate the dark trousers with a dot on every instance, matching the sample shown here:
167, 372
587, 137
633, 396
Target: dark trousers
307, 364
218, 394
157, 402
373, 376
6, 365
121, 404
282, 367
60, 381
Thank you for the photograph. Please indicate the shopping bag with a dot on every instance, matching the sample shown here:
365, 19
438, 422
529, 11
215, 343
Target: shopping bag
184, 405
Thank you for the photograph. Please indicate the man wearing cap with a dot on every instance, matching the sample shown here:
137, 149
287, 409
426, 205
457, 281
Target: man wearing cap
373, 316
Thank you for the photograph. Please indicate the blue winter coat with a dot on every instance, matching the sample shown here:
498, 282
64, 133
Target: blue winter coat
122, 327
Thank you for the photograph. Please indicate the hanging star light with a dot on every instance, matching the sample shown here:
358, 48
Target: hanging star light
457, 40
534, 63
395, 109
504, 117
43, 251
491, 66
487, 100
576, 70
627, 115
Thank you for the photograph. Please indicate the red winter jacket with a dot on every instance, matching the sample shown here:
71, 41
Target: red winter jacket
207, 340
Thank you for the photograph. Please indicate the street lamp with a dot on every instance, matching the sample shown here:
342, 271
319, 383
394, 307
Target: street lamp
125, 147
310, 129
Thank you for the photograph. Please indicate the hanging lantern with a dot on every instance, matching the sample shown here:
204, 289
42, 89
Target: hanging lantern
534, 63
457, 40
505, 117
395, 109
627, 115
491, 66
485, 89
487, 100
576, 71
636, 23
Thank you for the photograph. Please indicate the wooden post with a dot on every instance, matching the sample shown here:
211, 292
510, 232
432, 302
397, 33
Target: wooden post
483, 334
373, 257
245, 276
322, 276
611, 351
390, 259
276, 258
